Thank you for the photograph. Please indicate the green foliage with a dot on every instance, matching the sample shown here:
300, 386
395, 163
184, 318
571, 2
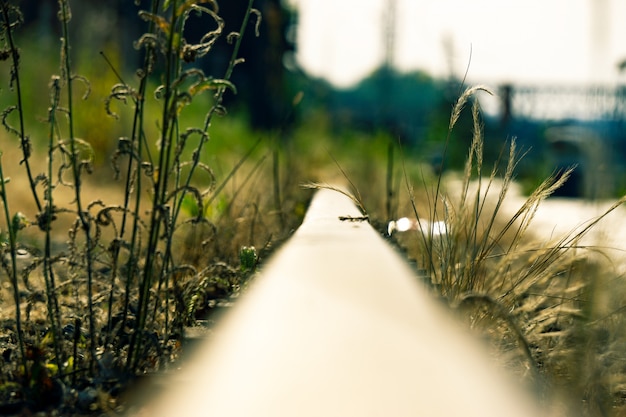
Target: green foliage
118, 279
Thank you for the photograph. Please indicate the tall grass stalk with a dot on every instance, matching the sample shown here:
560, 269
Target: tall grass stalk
389, 184
45, 221
167, 198
536, 302
458, 260
77, 165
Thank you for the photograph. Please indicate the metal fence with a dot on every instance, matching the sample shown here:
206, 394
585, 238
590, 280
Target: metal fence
554, 102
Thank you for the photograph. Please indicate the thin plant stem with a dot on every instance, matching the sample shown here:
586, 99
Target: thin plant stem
46, 223
137, 140
15, 74
160, 213
76, 170
11, 230
219, 96
389, 210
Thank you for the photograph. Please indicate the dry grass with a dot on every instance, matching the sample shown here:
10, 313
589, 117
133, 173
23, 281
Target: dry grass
552, 311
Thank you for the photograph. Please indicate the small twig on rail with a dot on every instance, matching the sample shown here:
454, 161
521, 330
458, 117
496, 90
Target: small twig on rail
354, 219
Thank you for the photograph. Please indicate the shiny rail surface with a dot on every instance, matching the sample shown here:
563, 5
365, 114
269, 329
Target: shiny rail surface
337, 324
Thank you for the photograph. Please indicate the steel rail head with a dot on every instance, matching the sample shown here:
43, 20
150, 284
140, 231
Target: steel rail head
337, 324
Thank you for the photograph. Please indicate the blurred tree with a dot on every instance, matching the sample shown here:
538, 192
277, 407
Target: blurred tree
402, 104
260, 78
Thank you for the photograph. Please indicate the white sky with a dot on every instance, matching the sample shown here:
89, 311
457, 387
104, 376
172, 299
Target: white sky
511, 40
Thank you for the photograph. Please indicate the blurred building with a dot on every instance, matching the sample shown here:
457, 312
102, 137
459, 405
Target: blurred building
568, 125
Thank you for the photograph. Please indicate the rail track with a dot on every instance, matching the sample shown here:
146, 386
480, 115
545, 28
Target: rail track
337, 324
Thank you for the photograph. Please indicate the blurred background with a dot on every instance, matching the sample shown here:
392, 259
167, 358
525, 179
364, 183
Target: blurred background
396, 66
556, 68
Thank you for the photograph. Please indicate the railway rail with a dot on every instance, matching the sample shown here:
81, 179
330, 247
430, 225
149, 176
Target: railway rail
338, 324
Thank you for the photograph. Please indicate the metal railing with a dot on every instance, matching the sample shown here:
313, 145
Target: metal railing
562, 102
337, 324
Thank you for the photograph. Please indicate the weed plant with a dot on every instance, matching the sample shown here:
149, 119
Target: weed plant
551, 310
128, 276
110, 299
